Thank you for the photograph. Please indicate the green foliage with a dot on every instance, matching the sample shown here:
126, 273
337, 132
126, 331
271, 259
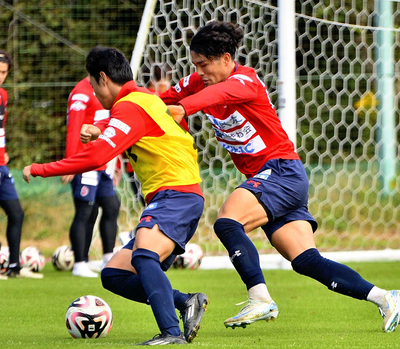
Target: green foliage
49, 40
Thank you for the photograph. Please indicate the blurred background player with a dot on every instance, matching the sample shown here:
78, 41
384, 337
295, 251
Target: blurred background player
275, 194
9, 200
91, 189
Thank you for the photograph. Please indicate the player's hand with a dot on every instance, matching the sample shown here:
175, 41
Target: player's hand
6, 158
26, 174
177, 112
89, 133
67, 179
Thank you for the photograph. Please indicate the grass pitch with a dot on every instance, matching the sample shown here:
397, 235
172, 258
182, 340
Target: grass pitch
32, 312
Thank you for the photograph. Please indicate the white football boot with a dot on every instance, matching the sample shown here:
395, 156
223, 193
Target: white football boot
253, 311
390, 311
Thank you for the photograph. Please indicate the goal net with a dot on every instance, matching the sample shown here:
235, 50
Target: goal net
347, 111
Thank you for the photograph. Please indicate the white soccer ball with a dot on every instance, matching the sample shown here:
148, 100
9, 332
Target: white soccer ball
63, 258
88, 317
32, 259
191, 259
4, 259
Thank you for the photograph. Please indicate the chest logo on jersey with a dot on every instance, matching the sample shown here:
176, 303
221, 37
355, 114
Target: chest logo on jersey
255, 145
233, 120
240, 135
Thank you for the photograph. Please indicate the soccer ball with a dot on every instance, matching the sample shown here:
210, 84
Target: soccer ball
191, 259
32, 259
88, 317
4, 259
63, 258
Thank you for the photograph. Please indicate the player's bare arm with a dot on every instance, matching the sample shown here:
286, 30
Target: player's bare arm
177, 112
89, 133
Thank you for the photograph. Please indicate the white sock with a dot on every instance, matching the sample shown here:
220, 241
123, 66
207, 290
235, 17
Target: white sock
260, 293
376, 296
79, 265
107, 257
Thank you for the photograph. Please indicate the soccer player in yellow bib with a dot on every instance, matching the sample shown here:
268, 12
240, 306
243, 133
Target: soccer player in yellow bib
164, 158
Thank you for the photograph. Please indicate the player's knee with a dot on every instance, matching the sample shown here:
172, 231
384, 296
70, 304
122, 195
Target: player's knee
142, 255
308, 262
223, 226
111, 278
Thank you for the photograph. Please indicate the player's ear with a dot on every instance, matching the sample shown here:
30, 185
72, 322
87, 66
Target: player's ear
103, 77
226, 58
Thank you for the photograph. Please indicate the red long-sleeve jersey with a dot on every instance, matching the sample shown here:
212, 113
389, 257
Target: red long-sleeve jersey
3, 116
243, 118
161, 153
83, 108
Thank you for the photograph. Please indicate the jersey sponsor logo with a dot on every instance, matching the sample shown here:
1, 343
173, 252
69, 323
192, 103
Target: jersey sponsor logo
177, 88
78, 106
254, 146
186, 81
239, 135
242, 78
119, 125
233, 120
80, 97
84, 191
101, 115
109, 132
108, 140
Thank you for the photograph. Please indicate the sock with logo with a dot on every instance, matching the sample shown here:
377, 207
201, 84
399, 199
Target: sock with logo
242, 252
158, 290
337, 277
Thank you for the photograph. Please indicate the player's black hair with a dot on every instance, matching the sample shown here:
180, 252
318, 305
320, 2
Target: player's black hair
110, 61
217, 38
5, 58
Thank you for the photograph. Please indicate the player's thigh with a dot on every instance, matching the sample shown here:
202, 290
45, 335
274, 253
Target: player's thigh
122, 260
293, 238
155, 240
243, 206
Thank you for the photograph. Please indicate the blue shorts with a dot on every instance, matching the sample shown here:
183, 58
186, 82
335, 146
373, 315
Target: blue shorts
281, 187
7, 187
91, 185
177, 215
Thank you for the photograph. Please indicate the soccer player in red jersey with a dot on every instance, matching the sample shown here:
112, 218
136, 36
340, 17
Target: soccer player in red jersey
164, 158
275, 194
9, 200
92, 189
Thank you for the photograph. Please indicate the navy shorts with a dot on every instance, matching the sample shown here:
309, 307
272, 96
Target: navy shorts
177, 215
91, 185
7, 187
281, 187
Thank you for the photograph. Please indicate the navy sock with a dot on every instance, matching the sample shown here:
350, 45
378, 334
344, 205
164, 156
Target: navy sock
158, 290
128, 285
242, 252
124, 283
337, 277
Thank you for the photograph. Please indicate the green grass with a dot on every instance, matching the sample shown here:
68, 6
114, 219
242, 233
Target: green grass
32, 312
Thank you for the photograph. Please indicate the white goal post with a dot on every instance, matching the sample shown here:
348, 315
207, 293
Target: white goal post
342, 123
